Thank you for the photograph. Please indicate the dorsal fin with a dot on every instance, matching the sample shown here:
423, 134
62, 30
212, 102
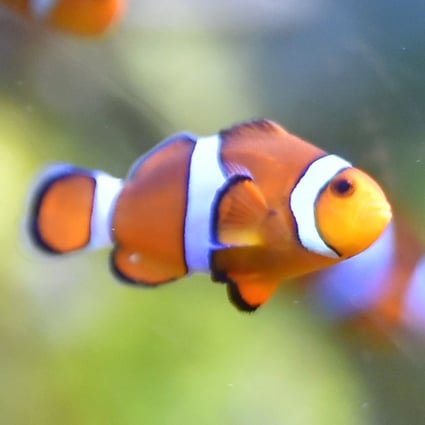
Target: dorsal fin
240, 211
254, 128
150, 160
253, 143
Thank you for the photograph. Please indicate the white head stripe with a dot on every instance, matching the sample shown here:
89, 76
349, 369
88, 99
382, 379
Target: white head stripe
205, 178
106, 193
41, 8
303, 201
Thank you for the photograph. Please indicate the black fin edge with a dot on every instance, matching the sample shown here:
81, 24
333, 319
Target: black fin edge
37, 199
233, 292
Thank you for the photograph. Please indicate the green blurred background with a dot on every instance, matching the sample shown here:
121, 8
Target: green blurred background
77, 348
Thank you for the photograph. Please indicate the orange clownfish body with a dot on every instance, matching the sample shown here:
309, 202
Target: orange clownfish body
83, 17
252, 205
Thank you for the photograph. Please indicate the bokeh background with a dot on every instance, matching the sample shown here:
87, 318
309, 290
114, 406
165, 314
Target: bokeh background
78, 348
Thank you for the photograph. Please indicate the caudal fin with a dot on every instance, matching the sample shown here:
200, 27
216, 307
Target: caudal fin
71, 209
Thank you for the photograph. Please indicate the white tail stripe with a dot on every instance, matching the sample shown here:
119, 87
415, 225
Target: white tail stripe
205, 178
303, 201
106, 193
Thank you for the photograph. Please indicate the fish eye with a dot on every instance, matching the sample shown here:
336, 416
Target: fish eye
342, 187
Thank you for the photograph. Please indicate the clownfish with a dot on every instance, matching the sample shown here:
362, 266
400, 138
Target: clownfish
252, 205
83, 17
382, 288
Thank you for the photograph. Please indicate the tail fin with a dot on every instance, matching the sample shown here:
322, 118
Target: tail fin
71, 209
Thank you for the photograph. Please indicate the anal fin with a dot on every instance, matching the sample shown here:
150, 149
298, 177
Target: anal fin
248, 291
240, 212
133, 267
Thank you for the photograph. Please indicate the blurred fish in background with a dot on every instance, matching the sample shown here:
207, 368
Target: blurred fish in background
79, 17
381, 291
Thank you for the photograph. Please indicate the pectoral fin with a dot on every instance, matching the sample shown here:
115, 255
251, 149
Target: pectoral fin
240, 212
133, 267
248, 291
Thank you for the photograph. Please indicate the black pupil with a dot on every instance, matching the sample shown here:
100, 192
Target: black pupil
342, 186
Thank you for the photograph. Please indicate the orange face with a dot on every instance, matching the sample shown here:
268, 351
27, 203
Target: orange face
351, 212
85, 17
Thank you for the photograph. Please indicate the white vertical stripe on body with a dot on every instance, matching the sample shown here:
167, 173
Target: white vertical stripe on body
205, 178
303, 201
41, 8
106, 192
